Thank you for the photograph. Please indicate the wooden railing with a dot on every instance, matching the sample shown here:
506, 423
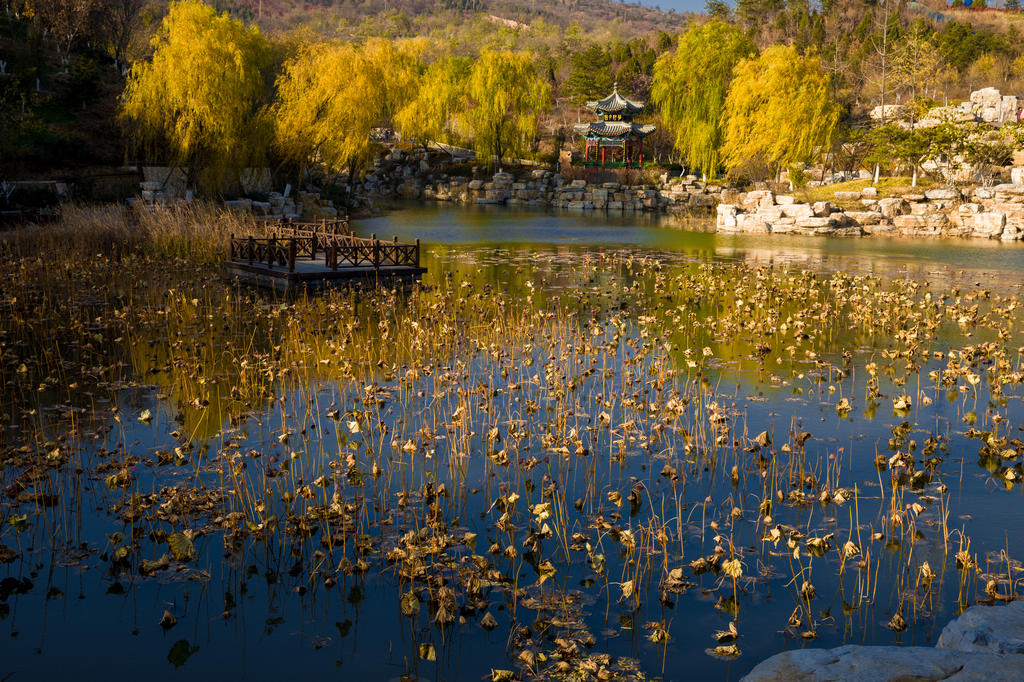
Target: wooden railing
292, 228
338, 251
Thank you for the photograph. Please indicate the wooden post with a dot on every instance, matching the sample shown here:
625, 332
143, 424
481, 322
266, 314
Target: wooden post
333, 255
376, 252
312, 247
271, 246
291, 255
232, 236
252, 249
417, 251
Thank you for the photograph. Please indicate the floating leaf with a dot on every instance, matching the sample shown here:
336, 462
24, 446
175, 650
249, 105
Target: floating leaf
410, 604
180, 652
181, 546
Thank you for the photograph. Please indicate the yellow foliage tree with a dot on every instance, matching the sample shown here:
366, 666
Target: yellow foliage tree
430, 115
331, 95
779, 110
202, 95
690, 87
505, 99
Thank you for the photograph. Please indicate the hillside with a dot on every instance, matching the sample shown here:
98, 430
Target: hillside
417, 17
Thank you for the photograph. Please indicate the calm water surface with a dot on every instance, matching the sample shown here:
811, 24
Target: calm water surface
64, 613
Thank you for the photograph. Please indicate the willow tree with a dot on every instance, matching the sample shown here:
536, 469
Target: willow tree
779, 110
430, 115
505, 98
690, 87
201, 97
331, 96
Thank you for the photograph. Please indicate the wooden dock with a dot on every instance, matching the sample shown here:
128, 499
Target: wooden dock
315, 255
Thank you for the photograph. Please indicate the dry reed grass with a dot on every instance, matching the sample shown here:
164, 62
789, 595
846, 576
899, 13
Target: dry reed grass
197, 231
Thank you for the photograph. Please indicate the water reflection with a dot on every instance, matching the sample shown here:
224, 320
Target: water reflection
301, 442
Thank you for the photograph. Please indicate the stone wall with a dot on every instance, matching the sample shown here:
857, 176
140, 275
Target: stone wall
549, 189
984, 212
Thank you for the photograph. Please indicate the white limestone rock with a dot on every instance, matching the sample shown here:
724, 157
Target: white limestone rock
886, 664
797, 211
942, 194
995, 629
892, 207
848, 196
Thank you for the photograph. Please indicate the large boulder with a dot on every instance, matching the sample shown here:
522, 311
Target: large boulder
726, 217
993, 629
945, 194
986, 97
985, 643
757, 199
989, 225
887, 112
886, 664
892, 207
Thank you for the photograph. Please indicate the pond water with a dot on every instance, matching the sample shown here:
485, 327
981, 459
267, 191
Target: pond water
589, 447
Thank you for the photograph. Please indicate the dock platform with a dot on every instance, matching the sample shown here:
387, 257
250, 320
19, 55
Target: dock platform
314, 256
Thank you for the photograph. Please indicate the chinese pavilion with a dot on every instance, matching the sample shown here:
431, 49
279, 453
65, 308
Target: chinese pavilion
614, 139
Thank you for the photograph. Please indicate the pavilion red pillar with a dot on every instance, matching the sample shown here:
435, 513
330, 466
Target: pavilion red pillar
602, 156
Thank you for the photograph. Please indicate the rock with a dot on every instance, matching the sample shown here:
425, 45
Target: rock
726, 216
942, 194
990, 225
797, 211
914, 198
578, 184
850, 231
758, 199
986, 97
815, 222
884, 664
892, 207
992, 629
476, 185
864, 217
908, 222
785, 200
847, 196
409, 190
869, 192
888, 111
770, 213
747, 222
1017, 176
238, 205
822, 208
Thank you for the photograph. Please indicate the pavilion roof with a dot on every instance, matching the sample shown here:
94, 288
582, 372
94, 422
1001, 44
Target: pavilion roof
615, 102
613, 129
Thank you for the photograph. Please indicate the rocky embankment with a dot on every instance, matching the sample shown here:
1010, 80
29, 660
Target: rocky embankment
983, 212
985, 643
549, 189
411, 176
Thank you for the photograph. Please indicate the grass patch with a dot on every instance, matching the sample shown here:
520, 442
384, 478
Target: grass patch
887, 187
